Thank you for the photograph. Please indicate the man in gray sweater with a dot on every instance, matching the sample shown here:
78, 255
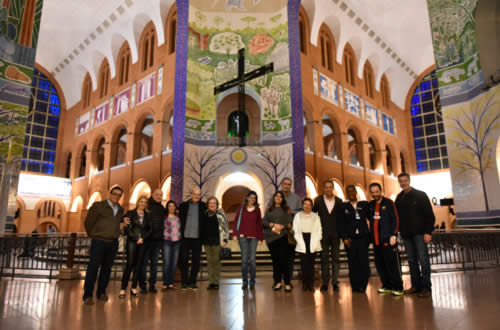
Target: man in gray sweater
103, 225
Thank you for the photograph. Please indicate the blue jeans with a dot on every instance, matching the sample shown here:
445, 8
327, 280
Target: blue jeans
152, 252
102, 255
170, 256
248, 247
417, 253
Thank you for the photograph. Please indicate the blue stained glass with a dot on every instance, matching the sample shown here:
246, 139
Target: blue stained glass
445, 163
53, 121
418, 132
422, 166
425, 85
52, 132
49, 156
41, 106
55, 109
416, 121
419, 143
435, 83
415, 110
48, 168
421, 155
415, 99
50, 144
426, 96
23, 165
391, 126
435, 164
41, 95
416, 90
43, 84
54, 99
52, 89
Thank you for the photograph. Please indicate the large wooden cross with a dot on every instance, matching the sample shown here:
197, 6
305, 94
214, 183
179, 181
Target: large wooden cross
240, 82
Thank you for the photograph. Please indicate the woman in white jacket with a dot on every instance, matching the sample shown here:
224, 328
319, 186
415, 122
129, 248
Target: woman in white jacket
308, 234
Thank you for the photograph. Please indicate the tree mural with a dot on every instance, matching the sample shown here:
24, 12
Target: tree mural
274, 164
471, 132
248, 20
202, 165
218, 21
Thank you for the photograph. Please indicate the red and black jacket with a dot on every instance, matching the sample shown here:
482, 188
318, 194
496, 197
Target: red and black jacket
387, 225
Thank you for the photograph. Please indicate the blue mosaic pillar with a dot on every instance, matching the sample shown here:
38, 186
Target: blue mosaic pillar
299, 161
181, 49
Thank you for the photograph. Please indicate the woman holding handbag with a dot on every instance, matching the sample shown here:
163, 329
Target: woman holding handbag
308, 234
247, 230
276, 225
214, 235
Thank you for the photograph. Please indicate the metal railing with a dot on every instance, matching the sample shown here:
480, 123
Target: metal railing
44, 255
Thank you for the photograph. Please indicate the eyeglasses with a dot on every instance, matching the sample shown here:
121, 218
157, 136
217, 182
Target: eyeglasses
116, 194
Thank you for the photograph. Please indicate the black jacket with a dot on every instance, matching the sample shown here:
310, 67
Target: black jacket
388, 223
352, 223
157, 212
183, 212
415, 213
135, 229
210, 229
332, 224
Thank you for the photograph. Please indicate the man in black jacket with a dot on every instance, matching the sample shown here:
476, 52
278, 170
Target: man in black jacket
190, 213
153, 244
356, 240
417, 224
384, 224
331, 212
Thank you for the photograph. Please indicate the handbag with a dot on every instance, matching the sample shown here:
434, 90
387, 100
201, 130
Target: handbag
225, 253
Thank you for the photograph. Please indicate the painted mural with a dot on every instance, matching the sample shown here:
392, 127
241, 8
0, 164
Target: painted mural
213, 43
19, 26
473, 133
455, 49
214, 39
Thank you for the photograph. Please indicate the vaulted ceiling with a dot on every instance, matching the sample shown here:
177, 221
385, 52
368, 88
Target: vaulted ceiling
75, 36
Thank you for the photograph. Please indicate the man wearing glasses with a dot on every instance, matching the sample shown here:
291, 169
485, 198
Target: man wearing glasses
103, 225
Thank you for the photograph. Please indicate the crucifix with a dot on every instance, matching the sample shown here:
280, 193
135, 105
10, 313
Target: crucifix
240, 82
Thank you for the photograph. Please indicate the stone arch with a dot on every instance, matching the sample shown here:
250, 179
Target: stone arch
141, 187
361, 192
227, 103
168, 16
167, 128
338, 188
247, 179
332, 118
77, 204
311, 187
372, 135
166, 187
50, 210
304, 18
358, 136
309, 125
96, 196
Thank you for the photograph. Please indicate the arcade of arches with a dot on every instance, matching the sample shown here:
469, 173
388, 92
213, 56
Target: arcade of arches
133, 150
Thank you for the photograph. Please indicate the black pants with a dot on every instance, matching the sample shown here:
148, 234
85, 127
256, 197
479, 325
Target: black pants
387, 264
135, 259
359, 264
281, 258
190, 249
330, 245
291, 257
102, 255
307, 263
152, 250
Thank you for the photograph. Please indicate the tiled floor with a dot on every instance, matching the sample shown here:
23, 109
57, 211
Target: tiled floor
460, 301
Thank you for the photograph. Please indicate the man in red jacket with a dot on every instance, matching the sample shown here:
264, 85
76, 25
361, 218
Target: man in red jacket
384, 225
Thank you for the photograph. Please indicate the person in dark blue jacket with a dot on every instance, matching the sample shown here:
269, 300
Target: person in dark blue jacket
384, 223
356, 240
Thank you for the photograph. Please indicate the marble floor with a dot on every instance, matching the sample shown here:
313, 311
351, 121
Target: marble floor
460, 300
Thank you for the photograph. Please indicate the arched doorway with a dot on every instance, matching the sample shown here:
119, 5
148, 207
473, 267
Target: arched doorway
142, 188
232, 199
239, 181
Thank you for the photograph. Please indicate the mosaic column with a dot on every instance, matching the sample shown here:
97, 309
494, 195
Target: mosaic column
181, 49
299, 161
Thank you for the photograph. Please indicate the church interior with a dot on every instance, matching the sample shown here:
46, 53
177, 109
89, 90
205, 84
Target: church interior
232, 96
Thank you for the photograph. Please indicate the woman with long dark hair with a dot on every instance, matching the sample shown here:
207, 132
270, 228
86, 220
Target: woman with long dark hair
247, 230
276, 223
171, 245
137, 231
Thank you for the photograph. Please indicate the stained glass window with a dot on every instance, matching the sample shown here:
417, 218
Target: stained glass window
41, 126
428, 129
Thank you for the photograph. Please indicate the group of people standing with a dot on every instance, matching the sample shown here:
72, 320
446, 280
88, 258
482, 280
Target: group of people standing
289, 226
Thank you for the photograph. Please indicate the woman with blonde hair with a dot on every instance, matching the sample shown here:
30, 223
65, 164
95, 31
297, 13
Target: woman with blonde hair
136, 231
214, 235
